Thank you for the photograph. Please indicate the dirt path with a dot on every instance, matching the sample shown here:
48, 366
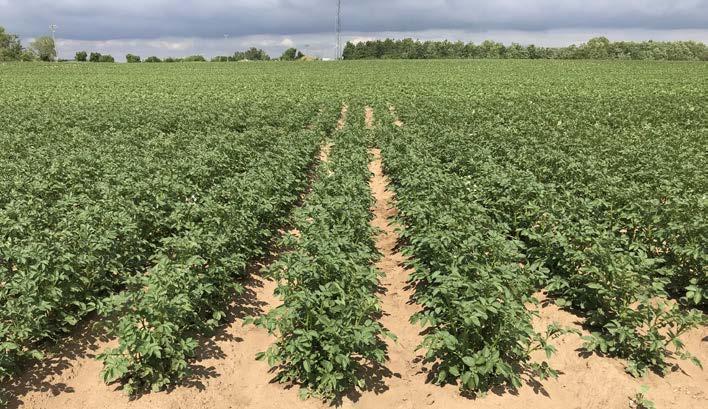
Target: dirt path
396, 120
369, 117
408, 383
342, 122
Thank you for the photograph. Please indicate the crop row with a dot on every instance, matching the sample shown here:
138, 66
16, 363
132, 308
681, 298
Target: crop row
472, 280
615, 242
326, 328
150, 230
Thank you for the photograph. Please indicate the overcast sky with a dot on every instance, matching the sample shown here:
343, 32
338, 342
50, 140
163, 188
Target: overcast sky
182, 27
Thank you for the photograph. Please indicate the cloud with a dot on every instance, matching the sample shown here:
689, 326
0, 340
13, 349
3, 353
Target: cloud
109, 19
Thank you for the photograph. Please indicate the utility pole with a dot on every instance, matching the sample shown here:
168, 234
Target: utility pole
338, 55
53, 29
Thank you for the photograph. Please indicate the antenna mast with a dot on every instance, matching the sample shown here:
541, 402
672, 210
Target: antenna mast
338, 55
53, 29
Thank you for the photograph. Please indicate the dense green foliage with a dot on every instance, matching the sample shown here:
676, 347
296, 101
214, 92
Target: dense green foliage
598, 194
134, 215
106, 58
10, 46
599, 48
44, 48
291, 54
141, 192
472, 277
327, 325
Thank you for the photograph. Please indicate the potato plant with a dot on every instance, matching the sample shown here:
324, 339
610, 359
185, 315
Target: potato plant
327, 329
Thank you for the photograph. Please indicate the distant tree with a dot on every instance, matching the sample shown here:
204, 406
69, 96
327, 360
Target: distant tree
194, 58
10, 46
172, 59
256, 54
132, 59
81, 56
45, 49
532, 52
597, 48
679, 51
95, 57
491, 49
221, 58
106, 58
349, 50
291, 54
516, 51
153, 59
28, 55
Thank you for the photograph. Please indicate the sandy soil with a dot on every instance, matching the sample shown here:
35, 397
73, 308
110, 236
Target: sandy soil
226, 375
369, 117
342, 122
396, 121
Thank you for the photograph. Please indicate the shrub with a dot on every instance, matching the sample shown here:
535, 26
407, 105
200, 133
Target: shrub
194, 58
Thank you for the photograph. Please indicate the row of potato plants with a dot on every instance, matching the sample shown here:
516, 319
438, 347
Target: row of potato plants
637, 154
91, 214
617, 242
197, 270
471, 278
194, 273
328, 337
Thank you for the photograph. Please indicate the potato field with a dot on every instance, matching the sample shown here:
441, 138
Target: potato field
452, 234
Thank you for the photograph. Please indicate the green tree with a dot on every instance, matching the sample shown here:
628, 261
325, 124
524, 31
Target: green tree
516, 51
291, 54
256, 54
81, 56
132, 59
106, 58
491, 49
45, 48
28, 55
597, 48
194, 58
10, 46
95, 57
153, 59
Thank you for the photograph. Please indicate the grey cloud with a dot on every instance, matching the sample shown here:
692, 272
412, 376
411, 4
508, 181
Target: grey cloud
94, 20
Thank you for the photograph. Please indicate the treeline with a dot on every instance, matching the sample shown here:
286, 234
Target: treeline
44, 49
252, 54
599, 48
